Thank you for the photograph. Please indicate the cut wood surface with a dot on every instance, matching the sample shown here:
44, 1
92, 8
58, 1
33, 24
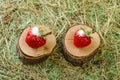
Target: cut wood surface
31, 53
80, 53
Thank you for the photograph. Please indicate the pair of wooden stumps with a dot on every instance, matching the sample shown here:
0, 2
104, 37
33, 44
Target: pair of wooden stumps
72, 54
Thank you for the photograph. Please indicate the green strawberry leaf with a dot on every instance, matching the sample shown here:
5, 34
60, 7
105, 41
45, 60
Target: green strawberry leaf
88, 33
83, 29
40, 32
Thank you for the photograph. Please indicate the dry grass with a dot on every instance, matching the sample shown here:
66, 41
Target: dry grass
102, 15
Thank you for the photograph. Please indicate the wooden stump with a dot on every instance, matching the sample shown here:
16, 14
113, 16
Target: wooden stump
80, 55
31, 55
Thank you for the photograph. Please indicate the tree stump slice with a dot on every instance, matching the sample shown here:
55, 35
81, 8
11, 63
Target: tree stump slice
80, 55
31, 55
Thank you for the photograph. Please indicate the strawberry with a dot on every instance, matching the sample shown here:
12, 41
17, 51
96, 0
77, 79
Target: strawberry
81, 39
34, 38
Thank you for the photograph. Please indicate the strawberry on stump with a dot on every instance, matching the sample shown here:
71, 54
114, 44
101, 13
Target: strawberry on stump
34, 38
80, 44
81, 39
35, 44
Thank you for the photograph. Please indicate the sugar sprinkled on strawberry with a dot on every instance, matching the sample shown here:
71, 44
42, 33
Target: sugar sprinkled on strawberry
35, 31
81, 33
34, 39
81, 39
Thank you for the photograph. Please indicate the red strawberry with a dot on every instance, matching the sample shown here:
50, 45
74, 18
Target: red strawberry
81, 39
34, 39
